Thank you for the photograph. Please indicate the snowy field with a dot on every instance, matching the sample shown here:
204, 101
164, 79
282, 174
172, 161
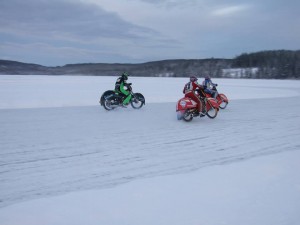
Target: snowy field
64, 160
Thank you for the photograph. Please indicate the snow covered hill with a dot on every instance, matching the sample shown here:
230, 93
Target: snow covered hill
56, 139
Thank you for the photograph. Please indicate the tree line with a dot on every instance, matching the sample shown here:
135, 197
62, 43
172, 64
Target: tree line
277, 64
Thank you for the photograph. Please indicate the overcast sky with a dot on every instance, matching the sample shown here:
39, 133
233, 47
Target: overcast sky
58, 32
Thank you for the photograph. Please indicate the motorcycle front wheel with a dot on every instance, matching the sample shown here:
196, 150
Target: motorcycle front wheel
137, 101
223, 104
212, 112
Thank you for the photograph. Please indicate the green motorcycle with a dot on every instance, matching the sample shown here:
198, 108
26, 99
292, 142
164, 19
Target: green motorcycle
111, 99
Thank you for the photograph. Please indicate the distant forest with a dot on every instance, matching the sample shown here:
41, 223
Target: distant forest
281, 64
277, 64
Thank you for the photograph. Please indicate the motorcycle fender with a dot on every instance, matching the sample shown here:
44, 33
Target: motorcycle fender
109, 96
213, 102
109, 92
223, 97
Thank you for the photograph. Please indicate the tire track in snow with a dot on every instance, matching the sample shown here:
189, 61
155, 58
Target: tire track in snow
58, 150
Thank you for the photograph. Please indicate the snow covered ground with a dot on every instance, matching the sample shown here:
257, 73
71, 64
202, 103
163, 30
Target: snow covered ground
65, 160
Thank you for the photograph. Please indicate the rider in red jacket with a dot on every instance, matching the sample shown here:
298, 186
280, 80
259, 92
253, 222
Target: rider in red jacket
190, 92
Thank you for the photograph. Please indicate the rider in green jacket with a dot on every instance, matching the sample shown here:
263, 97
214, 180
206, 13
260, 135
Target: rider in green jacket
121, 87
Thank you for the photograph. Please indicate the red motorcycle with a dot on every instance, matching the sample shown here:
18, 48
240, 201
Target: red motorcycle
186, 108
221, 98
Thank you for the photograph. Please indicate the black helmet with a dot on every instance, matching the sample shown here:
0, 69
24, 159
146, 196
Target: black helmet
125, 75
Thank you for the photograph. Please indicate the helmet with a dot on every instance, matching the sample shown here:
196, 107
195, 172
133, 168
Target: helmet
207, 77
125, 76
193, 78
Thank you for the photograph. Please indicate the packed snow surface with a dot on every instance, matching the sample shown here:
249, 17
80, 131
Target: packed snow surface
65, 160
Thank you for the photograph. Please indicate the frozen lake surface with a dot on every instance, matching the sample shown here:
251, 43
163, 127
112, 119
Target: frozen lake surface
56, 139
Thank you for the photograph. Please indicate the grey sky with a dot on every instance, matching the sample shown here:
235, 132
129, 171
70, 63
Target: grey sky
57, 32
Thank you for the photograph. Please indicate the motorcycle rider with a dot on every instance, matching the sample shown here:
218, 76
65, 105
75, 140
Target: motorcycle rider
121, 87
190, 91
208, 86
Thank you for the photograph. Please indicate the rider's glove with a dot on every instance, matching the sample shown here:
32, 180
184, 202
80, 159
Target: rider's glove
216, 85
129, 84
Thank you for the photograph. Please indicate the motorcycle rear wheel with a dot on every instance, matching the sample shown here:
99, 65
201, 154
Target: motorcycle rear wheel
187, 116
108, 104
105, 95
